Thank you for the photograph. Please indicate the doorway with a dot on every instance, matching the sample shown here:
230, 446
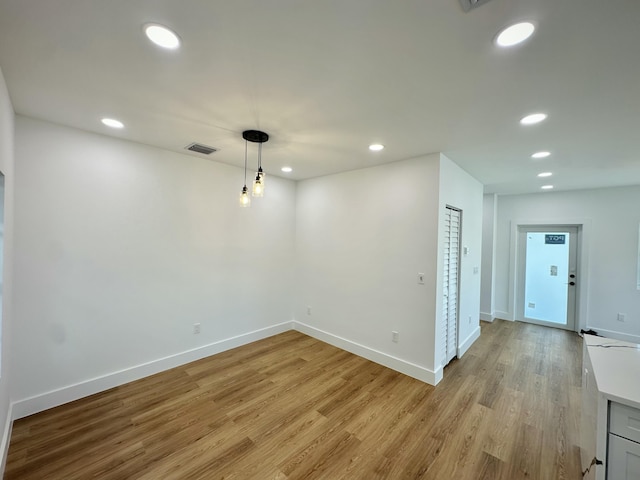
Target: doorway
547, 275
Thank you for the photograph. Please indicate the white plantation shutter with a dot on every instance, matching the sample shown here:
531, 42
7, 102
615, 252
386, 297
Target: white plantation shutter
449, 333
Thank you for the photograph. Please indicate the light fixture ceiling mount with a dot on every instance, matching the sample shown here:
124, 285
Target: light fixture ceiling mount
255, 136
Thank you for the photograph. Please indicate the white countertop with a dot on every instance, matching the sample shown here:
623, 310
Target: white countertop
616, 366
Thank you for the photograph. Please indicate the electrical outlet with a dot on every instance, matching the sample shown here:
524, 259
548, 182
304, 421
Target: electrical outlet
532, 305
469, 319
308, 310
395, 336
621, 317
196, 328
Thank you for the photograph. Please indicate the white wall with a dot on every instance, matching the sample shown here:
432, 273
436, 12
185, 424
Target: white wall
609, 257
458, 189
362, 238
487, 284
7, 168
122, 247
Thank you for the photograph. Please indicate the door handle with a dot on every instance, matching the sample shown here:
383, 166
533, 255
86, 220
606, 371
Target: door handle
570, 283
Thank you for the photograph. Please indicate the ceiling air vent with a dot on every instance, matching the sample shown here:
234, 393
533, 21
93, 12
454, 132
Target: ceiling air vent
200, 148
469, 4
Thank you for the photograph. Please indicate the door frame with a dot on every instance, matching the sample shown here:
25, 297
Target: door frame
521, 268
584, 235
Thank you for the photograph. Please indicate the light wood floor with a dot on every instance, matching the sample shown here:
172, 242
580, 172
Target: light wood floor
291, 407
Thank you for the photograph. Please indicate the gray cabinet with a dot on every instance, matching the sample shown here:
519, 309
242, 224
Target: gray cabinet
623, 443
610, 429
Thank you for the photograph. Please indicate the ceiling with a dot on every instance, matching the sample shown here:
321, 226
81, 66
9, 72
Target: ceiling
327, 78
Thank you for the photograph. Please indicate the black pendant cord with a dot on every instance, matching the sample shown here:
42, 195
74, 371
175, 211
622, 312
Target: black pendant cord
245, 163
259, 157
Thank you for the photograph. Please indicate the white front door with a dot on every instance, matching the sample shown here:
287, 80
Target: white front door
547, 275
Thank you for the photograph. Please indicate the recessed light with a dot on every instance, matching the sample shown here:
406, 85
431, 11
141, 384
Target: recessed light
162, 36
545, 174
541, 155
287, 169
533, 118
515, 34
546, 187
112, 122
376, 147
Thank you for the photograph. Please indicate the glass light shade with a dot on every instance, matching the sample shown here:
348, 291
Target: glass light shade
258, 187
245, 199
258, 184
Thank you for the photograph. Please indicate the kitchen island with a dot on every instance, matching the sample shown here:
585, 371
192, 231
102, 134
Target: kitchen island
610, 425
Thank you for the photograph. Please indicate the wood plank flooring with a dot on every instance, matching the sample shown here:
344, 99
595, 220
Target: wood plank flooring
291, 407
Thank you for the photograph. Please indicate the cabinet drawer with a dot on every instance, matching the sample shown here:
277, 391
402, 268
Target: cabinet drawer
624, 421
624, 459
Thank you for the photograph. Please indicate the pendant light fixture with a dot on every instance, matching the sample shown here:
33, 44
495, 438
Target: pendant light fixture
258, 183
255, 136
245, 199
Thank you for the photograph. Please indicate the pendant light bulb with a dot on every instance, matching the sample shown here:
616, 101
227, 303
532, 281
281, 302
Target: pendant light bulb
245, 199
258, 187
258, 184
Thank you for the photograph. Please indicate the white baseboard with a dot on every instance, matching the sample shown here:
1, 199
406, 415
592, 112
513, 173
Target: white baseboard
504, 316
616, 335
438, 374
487, 317
38, 403
54, 398
6, 438
397, 364
464, 346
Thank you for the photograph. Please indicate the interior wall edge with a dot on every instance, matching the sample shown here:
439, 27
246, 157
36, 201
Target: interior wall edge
487, 317
44, 401
503, 315
6, 438
616, 335
408, 368
467, 342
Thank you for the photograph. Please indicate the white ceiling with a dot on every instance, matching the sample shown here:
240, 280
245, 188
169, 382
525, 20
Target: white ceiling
327, 78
